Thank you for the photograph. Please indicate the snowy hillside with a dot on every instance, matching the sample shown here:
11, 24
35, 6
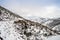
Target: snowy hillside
15, 27
7, 31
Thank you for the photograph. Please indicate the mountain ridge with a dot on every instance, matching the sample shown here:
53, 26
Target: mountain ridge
27, 21
24, 26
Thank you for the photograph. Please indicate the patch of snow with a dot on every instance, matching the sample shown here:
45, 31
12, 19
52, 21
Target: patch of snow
7, 31
54, 38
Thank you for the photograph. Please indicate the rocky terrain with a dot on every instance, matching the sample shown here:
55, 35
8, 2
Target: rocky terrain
15, 27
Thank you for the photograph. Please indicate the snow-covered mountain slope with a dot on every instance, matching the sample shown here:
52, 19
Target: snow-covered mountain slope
7, 31
55, 22
15, 27
12, 29
8, 15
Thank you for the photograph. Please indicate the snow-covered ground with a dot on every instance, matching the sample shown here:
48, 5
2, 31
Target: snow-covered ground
7, 31
54, 38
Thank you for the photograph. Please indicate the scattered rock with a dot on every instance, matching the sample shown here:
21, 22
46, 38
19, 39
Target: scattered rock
1, 38
27, 34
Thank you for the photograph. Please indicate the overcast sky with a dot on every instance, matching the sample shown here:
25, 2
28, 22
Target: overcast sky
40, 8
